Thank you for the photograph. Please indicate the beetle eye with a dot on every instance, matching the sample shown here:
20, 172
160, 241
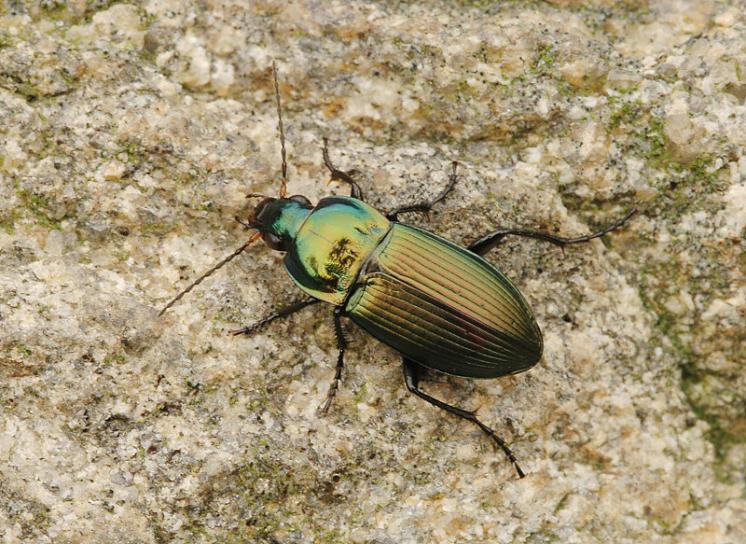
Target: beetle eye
273, 241
302, 200
256, 217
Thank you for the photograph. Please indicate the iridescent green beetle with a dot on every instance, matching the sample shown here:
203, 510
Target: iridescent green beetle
440, 305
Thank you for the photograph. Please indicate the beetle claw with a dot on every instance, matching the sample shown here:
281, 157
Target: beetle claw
244, 330
323, 408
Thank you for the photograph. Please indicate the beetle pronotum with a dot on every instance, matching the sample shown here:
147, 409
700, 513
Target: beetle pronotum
440, 305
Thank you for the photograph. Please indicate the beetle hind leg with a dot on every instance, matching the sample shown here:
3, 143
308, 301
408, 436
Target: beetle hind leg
493, 239
341, 347
411, 379
427, 205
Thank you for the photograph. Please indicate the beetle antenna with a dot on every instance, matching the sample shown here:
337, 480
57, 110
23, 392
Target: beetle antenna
284, 184
210, 272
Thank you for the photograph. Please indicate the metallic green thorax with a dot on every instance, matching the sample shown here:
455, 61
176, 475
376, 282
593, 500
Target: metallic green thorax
289, 217
330, 244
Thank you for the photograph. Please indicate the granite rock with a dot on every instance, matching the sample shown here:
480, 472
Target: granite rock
131, 134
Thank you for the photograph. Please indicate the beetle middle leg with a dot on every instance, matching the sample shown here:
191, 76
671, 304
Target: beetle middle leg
426, 205
340, 175
290, 309
341, 346
491, 240
412, 372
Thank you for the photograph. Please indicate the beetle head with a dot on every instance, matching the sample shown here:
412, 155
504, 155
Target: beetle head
278, 219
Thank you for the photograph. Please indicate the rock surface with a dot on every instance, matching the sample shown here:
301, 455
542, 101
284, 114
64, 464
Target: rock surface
129, 137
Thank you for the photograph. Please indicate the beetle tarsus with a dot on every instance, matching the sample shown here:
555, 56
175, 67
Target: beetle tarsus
339, 175
427, 205
290, 309
342, 347
500, 442
411, 379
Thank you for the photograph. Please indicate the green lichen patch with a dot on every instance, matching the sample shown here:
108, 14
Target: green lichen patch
30, 517
61, 11
546, 56
40, 208
488, 5
18, 359
723, 432
6, 40
624, 112
154, 229
8, 220
684, 184
684, 335
690, 185
114, 359
269, 498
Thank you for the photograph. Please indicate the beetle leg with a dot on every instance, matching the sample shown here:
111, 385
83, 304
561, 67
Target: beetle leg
339, 175
411, 379
426, 206
341, 346
489, 241
282, 312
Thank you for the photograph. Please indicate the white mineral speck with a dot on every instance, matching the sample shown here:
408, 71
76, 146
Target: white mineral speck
114, 170
734, 215
196, 62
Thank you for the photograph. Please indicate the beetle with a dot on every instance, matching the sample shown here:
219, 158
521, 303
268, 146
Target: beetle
440, 305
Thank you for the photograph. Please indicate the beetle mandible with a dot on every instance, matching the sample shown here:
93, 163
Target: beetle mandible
440, 305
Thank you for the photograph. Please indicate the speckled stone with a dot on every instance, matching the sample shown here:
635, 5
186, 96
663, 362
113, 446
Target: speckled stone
130, 134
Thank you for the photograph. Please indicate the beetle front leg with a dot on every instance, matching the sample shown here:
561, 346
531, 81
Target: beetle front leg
491, 240
426, 206
341, 346
411, 379
282, 312
339, 175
